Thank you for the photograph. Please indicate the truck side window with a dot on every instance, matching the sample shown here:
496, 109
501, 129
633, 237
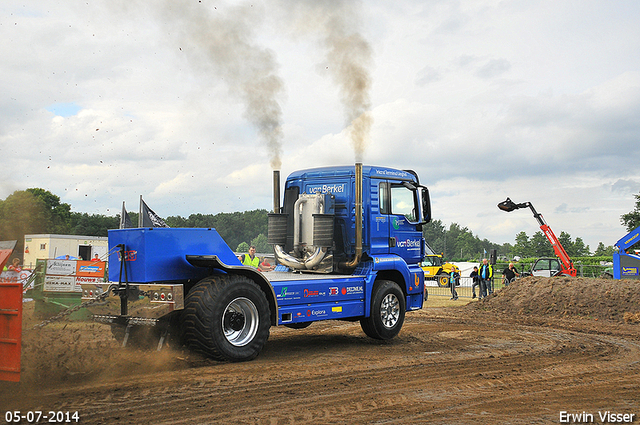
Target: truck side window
402, 202
384, 198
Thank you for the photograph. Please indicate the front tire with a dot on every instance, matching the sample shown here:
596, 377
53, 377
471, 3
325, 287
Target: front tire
443, 280
226, 317
387, 311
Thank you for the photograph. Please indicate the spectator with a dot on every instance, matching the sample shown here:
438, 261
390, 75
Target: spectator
485, 271
252, 260
509, 274
476, 281
454, 279
14, 266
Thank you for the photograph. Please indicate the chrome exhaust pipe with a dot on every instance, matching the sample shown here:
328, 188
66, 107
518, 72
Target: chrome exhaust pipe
358, 253
276, 191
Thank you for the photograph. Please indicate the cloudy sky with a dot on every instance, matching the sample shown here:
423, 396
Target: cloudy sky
190, 103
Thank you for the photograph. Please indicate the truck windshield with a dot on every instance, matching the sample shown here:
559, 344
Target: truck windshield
402, 202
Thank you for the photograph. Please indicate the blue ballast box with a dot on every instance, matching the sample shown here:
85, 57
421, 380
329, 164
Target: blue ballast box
158, 254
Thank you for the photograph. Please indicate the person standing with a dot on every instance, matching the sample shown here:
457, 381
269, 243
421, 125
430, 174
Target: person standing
485, 271
454, 277
509, 274
476, 281
252, 260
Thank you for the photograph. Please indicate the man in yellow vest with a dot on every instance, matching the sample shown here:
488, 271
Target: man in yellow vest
252, 260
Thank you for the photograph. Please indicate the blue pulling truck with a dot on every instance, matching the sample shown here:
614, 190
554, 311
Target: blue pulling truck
347, 242
626, 265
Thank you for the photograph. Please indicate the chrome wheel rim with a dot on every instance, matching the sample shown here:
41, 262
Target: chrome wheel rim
390, 311
240, 321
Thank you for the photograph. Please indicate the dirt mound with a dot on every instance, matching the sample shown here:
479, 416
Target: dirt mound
606, 299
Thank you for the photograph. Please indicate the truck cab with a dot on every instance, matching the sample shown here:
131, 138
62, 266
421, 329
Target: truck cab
394, 206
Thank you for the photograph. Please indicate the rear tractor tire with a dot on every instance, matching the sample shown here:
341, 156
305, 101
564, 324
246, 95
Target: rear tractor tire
387, 311
226, 317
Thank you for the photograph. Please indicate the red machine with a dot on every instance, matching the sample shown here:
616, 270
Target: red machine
567, 265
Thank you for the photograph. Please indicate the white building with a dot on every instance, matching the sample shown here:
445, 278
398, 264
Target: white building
52, 246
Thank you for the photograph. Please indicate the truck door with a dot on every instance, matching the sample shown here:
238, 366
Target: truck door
379, 217
400, 208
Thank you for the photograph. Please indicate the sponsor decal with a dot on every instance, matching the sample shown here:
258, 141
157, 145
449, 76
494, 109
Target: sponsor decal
333, 290
629, 271
384, 259
391, 173
60, 284
92, 280
285, 293
84, 280
129, 255
326, 188
61, 267
308, 293
348, 290
91, 268
409, 243
628, 241
337, 309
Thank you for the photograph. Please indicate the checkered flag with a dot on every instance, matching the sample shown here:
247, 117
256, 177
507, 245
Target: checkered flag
148, 218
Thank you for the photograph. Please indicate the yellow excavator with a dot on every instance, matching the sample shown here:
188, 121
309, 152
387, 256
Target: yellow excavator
435, 268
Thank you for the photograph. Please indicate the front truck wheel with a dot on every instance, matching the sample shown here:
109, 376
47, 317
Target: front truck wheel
387, 311
226, 317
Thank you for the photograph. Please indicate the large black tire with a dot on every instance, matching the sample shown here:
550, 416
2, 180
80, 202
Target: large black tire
226, 317
387, 311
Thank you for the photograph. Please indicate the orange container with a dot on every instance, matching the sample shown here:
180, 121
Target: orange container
10, 330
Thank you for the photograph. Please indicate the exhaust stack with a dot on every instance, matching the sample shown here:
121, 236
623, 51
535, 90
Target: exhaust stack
276, 191
358, 206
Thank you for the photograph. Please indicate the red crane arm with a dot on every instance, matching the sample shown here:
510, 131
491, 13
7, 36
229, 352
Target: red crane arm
567, 264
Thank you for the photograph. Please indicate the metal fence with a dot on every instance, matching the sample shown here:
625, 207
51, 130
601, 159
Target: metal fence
465, 288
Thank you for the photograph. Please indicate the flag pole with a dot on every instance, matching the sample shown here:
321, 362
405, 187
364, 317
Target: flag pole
140, 221
122, 216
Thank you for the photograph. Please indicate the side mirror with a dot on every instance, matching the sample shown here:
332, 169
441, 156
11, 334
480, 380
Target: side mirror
426, 205
423, 209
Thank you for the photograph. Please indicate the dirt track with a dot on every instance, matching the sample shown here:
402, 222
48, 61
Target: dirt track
475, 364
